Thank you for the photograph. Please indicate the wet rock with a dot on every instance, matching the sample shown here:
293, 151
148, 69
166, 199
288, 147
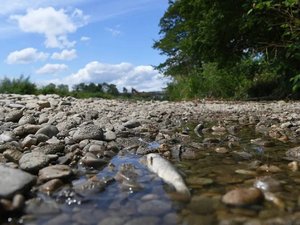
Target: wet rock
132, 124
149, 220
211, 140
89, 187
51, 186
221, 150
293, 153
189, 154
33, 161
154, 207
37, 206
243, 197
198, 129
262, 142
16, 204
294, 166
13, 181
55, 172
48, 130
59, 219
127, 176
91, 160
113, 221
269, 168
198, 181
89, 131
14, 116
202, 205
267, 183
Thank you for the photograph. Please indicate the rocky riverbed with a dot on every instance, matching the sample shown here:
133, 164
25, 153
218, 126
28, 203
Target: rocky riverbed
70, 161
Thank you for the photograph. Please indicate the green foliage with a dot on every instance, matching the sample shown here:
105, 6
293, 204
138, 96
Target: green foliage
20, 85
235, 46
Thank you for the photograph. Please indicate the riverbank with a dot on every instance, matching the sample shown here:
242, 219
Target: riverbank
48, 144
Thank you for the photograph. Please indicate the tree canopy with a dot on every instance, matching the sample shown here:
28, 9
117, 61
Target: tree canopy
248, 40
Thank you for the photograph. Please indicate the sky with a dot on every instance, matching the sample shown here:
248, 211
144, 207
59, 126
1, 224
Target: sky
75, 41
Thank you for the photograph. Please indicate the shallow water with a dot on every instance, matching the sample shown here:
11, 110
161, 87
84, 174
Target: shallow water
103, 197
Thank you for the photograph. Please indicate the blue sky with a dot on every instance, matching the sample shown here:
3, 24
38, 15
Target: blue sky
75, 41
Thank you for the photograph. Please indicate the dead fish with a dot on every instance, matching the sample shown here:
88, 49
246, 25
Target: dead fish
165, 170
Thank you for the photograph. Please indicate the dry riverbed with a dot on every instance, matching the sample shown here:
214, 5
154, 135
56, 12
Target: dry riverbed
70, 161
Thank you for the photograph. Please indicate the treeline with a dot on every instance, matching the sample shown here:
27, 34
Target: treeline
23, 85
231, 49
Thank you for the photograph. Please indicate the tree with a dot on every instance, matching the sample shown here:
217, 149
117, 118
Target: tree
263, 33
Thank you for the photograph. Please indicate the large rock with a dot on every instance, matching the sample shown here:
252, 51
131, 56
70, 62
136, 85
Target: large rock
14, 116
13, 181
293, 153
89, 131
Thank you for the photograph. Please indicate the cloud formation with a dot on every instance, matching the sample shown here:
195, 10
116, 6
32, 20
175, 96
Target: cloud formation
25, 56
52, 69
54, 24
84, 38
64, 55
142, 78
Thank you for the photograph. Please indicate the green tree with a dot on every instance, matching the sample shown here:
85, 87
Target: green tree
232, 34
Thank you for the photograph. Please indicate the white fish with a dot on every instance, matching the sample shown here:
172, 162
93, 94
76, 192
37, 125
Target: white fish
165, 170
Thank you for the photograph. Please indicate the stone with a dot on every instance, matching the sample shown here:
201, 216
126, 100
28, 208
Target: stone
267, 183
43, 105
132, 124
13, 155
91, 160
27, 119
149, 220
48, 130
14, 116
55, 172
28, 141
89, 131
154, 207
109, 136
202, 205
7, 136
113, 221
243, 197
14, 181
26, 129
51, 148
33, 161
293, 153
37, 206
51, 186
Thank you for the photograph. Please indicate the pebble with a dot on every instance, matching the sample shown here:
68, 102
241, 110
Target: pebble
89, 131
267, 183
48, 130
54, 172
13, 181
154, 207
243, 197
34, 161
51, 186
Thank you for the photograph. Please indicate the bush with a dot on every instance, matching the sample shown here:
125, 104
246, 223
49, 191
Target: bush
21, 85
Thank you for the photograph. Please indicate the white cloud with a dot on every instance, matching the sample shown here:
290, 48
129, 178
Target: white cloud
84, 38
54, 24
65, 55
114, 31
52, 69
25, 56
142, 78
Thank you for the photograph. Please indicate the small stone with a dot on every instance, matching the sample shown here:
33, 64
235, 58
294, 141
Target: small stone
294, 166
26, 129
48, 130
199, 181
154, 208
293, 153
28, 141
149, 220
89, 131
33, 161
269, 168
13, 155
55, 171
14, 116
132, 124
51, 186
91, 160
38, 206
7, 136
109, 136
43, 104
13, 181
113, 221
221, 150
243, 197
51, 148
245, 172
27, 119
267, 183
